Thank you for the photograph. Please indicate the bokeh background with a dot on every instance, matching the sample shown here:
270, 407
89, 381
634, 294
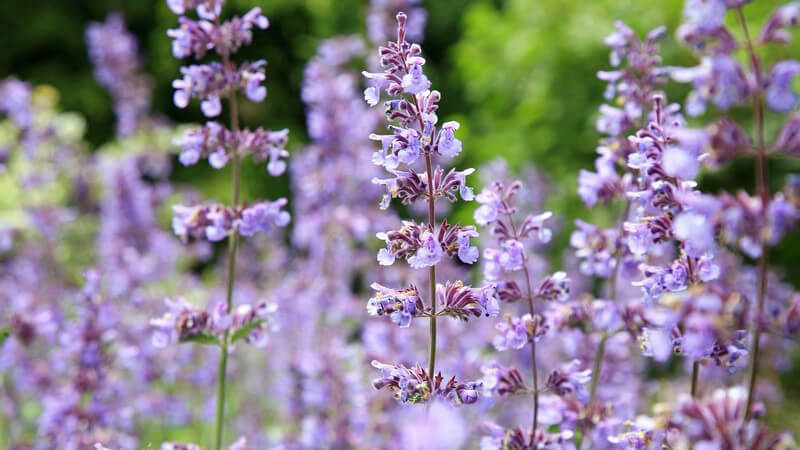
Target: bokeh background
519, 75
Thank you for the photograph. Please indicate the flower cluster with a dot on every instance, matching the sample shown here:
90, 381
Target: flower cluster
681, 247
115, 55
412, 385
214, 81
218, 145
721, 418
186, 322
211, 82
423, 247
216, 222
415, 137
510, 265
499, 438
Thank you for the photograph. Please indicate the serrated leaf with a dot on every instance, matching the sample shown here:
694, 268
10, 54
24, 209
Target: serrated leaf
245, 330
202, 338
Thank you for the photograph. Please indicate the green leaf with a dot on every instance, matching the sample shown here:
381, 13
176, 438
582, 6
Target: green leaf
4, 334
245, 330
202, 338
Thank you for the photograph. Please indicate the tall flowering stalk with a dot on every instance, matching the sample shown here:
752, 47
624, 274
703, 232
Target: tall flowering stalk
114, 53
211, 82
603, 252
498, 210
415, 136
721, 80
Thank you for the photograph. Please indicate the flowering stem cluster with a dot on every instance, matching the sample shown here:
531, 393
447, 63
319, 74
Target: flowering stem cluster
415, 137
497, 210
210, 82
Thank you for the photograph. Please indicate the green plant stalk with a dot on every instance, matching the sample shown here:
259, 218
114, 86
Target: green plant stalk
432, 271
233, 245
532, 309
432, 224
763, 192
695, 377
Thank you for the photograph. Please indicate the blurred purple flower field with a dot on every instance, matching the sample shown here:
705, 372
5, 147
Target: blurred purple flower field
366, 309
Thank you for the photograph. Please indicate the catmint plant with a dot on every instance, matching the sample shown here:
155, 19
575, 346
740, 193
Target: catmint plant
224, 324
604, 253
114, 53
415, 139
753, 223
497, 210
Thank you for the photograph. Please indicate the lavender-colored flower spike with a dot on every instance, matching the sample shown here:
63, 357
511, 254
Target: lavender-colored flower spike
211, 83
114, 53
415, 136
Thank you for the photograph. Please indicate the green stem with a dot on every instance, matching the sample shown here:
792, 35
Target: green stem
596, 367
233, 245
695, 377
432, 224
532, 309
763, 192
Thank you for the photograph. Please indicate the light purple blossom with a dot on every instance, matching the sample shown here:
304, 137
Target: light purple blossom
429, 253
780, 96
415, 82
448, 144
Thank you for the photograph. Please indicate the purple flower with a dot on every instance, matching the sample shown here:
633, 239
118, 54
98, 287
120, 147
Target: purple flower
602, 185
409, 150
218, 224
428, 254
448, 145
499, 380
515, 332
513, 256
218, 159
415, 82
789, 137
612, 121
15, 101
696, 232
706, 15
385, 256
372, 95
595, 248
512, 335
680, 163
780, 96
707, 271
569, 380
775, 30
489, 207
656, 343
719, 79
466, 252
182, 320
463, 302
401, 305
639, 238
263, 217
253, 89
727, 141
114, 53
555, 287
